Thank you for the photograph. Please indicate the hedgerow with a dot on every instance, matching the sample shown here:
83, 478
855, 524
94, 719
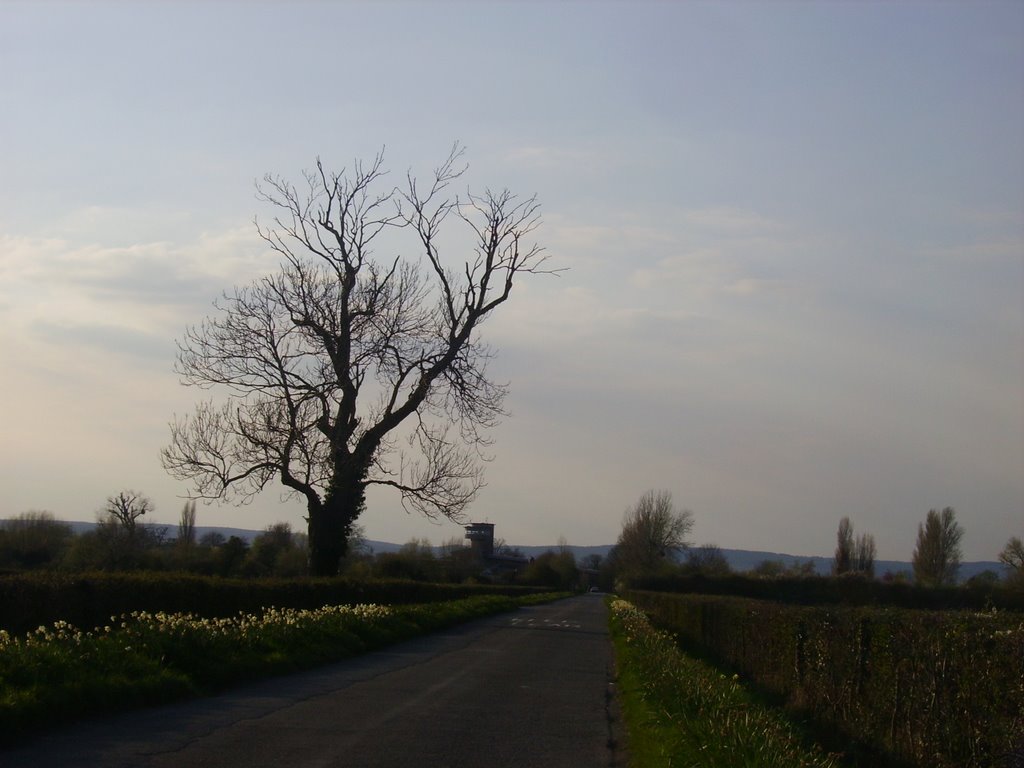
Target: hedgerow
31, 600
846, 590
935, 688
681, 711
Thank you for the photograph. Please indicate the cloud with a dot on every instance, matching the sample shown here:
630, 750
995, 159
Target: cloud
729, 222
118, 340
551, 157
150, 287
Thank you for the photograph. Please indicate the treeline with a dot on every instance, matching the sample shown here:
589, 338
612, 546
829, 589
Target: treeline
935, 688
652, 550
35, 541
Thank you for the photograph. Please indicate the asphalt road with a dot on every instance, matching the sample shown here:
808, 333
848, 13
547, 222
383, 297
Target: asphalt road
530, 688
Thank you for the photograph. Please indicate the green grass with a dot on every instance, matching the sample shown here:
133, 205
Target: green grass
61, 673
680, 711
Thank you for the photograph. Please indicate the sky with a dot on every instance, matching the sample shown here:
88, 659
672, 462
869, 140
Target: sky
793, 236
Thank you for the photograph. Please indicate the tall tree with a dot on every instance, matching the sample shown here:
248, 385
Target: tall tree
343, 370
937, 555
844, 556
187, 525
864, 554
652, 534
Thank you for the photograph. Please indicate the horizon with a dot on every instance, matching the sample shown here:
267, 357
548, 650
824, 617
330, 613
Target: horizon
794, 236
519, 545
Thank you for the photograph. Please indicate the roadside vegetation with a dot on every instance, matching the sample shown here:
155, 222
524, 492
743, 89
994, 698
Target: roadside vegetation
680, 711
59, 672
941, 689
881, 672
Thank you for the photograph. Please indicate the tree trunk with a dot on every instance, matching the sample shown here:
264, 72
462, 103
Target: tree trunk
330, 523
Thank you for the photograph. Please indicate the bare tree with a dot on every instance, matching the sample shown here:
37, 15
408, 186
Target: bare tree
126, 508
864, 555
853, 555
652, 534
937, 555
343, 370
843, 560
1012, 556
187, 525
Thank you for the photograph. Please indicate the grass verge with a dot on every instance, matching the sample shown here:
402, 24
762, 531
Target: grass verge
60, 673
679, 711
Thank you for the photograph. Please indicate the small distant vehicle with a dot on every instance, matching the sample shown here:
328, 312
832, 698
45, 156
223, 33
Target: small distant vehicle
594, 590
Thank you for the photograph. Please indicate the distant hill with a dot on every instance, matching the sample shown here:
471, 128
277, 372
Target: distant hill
739, 559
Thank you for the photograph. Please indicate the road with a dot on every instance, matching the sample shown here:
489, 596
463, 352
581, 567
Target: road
529, 688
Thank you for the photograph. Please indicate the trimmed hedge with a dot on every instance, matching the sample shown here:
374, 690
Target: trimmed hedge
28, 601
845, 590
933, 688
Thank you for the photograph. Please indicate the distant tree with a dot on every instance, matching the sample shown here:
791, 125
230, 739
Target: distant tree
844, 556
267, 548
126, 508
414, 560
864, 558
502, 547
452, 547
937, 555
231, 556
769, 569
292, 558
341, 358
895, 577
984, 580
212, 539
592, 562
773, 569
801, 568
357, 545
187, 525
456, 562
1012, 556
709, 560
556, 570
653, 533
33, 539
853, 555
119, 541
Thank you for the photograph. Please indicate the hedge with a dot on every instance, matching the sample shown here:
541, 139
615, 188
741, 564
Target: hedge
845, 590
28, 601
927, 687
